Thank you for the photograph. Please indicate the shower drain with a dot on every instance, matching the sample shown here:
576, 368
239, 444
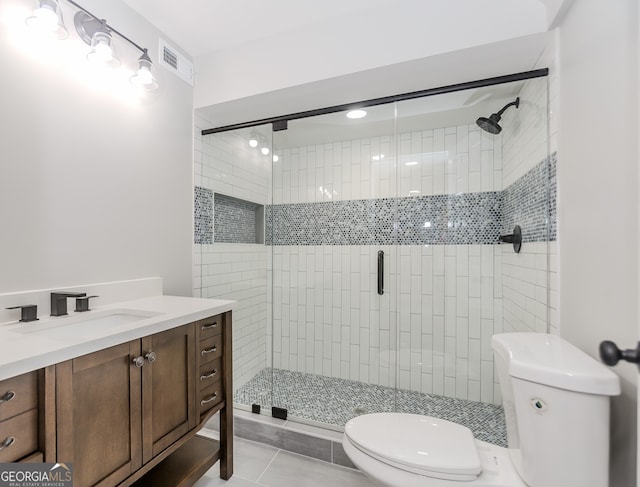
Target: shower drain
359, 410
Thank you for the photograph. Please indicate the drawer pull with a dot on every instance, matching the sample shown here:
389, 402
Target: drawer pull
209, 376
7, 396
209, 327
207, 401
7, 443
209, 350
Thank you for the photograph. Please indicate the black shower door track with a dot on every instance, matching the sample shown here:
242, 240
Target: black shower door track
280, 123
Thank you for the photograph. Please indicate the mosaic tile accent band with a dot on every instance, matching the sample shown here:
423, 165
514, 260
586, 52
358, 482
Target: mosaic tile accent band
441, 219
203, 216
527, 203
234, 220
335, 401
457, 219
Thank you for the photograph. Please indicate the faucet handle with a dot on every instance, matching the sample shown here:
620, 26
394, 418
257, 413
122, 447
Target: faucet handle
29, 312
82, 303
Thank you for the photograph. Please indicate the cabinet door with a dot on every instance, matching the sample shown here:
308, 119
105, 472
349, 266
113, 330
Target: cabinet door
98, 415
168, 388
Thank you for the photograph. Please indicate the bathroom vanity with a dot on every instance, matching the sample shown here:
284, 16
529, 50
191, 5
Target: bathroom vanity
120, 393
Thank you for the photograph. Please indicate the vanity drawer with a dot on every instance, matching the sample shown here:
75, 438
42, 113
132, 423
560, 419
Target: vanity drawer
19, 436
210, 327
210, 396
18, 394
210, 349
209, 373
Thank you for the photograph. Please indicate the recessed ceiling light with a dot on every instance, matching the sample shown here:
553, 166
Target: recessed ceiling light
411, 163
356, 114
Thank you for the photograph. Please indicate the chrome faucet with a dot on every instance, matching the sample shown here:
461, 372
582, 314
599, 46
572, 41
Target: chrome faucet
59, 302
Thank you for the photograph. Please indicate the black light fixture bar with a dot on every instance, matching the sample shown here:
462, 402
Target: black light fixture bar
538, 73
120, 34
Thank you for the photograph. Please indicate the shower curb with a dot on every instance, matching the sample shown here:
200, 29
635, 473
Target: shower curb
311, 441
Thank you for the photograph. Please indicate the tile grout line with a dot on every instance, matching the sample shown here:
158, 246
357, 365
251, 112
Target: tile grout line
268, 465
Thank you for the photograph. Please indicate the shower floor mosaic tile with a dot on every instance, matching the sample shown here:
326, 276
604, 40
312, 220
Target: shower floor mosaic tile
335, 401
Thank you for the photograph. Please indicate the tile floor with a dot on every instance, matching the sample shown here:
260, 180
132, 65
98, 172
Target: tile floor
334, 401
258, 464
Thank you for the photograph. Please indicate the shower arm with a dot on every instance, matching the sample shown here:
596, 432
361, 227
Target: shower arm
516, 102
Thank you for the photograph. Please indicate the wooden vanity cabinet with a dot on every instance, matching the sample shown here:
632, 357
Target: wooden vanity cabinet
99, 415
27, 429
125, 411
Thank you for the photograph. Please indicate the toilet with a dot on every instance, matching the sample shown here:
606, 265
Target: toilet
556, 405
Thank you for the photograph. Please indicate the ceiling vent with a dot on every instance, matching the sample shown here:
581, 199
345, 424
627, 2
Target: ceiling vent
171, 59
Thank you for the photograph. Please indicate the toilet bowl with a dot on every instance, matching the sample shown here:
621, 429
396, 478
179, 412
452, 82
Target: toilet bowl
398, 449
556, 405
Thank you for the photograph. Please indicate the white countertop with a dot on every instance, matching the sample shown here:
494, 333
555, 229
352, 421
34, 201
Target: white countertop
30, 346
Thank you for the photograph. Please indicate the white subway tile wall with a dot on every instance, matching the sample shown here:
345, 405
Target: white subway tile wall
431, 330
225, 164
529, 283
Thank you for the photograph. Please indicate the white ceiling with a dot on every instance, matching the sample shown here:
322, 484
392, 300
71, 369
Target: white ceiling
204, 26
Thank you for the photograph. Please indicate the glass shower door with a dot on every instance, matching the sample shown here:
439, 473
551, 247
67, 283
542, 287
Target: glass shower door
331, 222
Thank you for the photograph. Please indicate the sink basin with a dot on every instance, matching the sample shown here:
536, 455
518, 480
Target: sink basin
86, 326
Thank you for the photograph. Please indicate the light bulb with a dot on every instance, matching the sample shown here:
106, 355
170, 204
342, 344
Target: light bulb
265, 151
275, 158
253, 142
101, 49
45, 21
143, 78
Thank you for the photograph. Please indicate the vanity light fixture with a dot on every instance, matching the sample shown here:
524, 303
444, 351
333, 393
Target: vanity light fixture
275, 158
102, 51
253, 142
411, 163
97, 33
46, 19
144, 79
355, 114
265, 151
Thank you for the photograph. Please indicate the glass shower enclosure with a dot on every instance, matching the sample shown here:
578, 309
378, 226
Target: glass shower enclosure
387, 261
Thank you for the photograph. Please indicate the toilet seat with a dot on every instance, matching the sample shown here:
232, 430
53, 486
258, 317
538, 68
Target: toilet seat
419, 444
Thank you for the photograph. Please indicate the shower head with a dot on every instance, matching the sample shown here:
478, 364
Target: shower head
491, 124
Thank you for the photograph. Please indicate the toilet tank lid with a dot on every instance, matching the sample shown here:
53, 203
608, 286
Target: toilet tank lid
551, 360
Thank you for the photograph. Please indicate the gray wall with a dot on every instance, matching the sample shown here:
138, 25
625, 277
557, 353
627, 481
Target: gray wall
598, 196
94, 186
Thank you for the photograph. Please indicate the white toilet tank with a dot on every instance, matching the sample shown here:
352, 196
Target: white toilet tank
556, 404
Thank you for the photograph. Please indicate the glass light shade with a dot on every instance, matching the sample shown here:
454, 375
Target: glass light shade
143, 78
265, 151
46, 20
102, 50
253, 142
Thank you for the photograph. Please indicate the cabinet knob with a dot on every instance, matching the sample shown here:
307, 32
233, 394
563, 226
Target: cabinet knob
7, 396
151, 356
138, 361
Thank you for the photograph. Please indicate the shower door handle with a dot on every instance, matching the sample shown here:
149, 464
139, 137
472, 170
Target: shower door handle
380, 272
